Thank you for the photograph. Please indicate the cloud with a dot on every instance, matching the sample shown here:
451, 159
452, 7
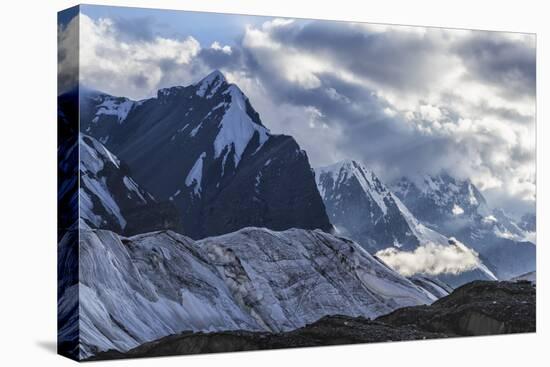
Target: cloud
134, 28
507, 62
130, 64
405, 100
431, 259
220, 57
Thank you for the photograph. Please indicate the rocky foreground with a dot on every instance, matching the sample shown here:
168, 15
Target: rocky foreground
477, 308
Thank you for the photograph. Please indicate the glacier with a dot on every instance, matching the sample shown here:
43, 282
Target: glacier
140, 288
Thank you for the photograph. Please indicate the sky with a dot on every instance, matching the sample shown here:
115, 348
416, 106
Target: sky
406, 101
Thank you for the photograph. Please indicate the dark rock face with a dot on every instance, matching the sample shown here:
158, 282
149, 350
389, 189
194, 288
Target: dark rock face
330, 330
478, 308
67, 161
204, 148
274, 188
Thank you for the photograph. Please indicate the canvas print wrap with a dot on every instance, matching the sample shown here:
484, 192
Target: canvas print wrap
233, 183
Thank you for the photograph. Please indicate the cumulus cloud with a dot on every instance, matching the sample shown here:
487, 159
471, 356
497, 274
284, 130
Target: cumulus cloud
133, 66
431, 259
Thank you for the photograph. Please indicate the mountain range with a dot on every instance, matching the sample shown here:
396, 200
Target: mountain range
457, 208
363, 208
202, 151
189, 214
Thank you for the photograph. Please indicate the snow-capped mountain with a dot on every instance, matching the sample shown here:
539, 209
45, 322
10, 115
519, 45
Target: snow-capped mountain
133, 290
362, 208
447, 203
441, 198
506, 227
457, 208
205, 148
109, 197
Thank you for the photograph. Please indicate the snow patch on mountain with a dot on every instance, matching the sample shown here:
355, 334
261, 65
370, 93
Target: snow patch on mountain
457, 210
118, 107
133, 187
237, 128
194, 177
505, 227
110, 198
424, 234
93, 156
209, 85
445, 191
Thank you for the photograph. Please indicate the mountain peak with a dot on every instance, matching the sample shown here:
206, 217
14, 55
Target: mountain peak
216, 74
341, 172
208, 85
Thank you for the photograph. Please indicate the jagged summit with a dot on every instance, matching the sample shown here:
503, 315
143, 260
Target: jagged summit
211, 155
347, 169
211, 82
204, 88
361, 206
208, 86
